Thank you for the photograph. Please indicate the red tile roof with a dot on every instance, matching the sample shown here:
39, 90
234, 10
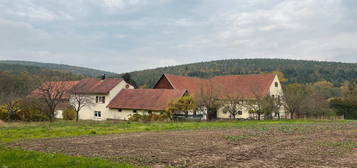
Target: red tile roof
191, 84
145, 99
246, 86
61, 86
96, 86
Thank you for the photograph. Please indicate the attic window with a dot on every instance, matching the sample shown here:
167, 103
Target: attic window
100, 99
276, 84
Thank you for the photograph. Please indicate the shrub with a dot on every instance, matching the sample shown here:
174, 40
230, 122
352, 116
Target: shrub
135, 117
69, 114
32, 110
148, 118
3, 116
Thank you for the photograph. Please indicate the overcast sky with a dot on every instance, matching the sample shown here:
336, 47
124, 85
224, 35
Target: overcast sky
126, 35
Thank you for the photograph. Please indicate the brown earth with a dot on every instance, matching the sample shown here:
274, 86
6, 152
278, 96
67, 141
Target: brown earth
321, 145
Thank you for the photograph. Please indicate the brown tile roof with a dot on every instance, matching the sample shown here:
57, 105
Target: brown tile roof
96, 86
53, 87
191, 84
145, 99
246, 86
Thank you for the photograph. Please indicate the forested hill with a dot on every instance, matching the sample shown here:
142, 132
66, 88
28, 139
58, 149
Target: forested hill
296, 71
20, 77
36, 67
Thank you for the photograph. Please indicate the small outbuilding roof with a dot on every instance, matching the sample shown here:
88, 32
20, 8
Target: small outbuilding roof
145, 99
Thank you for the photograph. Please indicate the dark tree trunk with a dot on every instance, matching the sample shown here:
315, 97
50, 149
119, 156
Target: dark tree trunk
77, 116
211, 113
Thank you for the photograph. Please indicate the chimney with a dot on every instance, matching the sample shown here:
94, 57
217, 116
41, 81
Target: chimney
103, 76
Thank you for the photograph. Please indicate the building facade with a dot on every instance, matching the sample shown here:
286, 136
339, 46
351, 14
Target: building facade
244, 87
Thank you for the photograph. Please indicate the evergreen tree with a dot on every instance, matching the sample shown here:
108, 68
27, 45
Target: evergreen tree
127, 78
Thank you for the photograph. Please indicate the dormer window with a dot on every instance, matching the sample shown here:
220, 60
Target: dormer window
276, 84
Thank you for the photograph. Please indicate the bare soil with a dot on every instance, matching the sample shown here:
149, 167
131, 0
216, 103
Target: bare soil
317, 145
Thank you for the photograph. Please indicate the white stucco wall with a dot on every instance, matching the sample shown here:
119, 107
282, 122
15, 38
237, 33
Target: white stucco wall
87, 112
59, 114
278, 92
244, 109
125, 114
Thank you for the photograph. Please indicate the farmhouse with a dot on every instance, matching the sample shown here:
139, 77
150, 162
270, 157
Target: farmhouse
100, 92
244, 87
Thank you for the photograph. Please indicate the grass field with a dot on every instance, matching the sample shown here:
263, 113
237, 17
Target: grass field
24, 131
16, 132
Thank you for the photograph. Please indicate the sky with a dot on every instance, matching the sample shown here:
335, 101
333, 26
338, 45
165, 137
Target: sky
126, 35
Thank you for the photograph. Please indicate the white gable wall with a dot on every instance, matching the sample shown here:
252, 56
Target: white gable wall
278, 93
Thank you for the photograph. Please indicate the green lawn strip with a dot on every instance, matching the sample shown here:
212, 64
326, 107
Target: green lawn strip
15, 158
66, 129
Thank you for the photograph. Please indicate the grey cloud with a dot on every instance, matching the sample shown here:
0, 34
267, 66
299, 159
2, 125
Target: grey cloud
126, 35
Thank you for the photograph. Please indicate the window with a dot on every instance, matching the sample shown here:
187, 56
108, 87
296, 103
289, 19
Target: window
127, 86
149, 112
240, 113
135, 111
97, 114
276, 84
100, 99
119, 110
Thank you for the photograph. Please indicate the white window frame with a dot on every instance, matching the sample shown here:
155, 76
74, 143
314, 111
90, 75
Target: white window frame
97, 114
100, 99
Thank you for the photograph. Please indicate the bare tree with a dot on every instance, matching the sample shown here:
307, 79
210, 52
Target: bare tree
278, 104
208, 98
294, 99
263, 104
233, 105
52, 93
78, 100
